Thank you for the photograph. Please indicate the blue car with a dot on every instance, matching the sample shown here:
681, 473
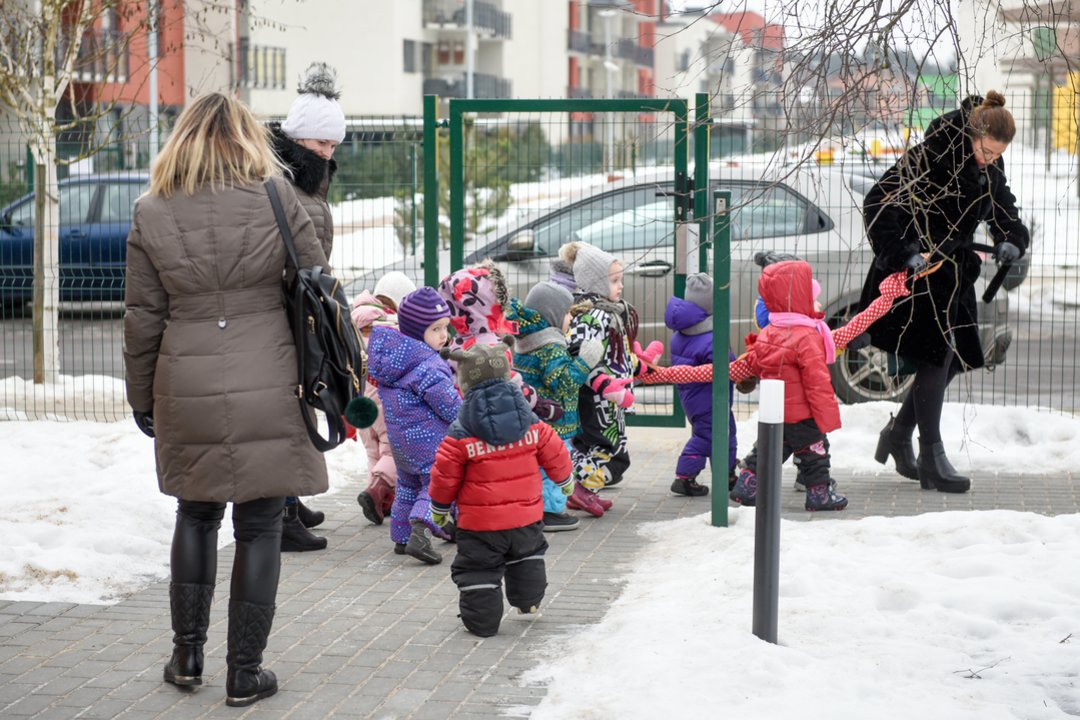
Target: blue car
95, 216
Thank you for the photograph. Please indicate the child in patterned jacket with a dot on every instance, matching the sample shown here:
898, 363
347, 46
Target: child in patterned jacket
420, 399
600, 452
542, 357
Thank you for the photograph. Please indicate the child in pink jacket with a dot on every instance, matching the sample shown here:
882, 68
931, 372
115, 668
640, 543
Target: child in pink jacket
377, 499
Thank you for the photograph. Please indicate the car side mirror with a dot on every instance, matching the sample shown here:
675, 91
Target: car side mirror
522, 246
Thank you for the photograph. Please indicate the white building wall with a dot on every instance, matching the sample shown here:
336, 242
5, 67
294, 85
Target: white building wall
536, 58
363, 40
208, 34
986, 45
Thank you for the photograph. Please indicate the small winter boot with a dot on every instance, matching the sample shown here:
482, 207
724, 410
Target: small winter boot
583, 499
294, 536
603, 502
419, 545
374, 501
895, 440
935, 470
688, 486
190, 606
309, 518
249, 627
745, 490
559, 522
823, 497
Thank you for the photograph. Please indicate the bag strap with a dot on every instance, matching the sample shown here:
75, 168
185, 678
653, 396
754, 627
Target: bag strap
320, 443
282, 223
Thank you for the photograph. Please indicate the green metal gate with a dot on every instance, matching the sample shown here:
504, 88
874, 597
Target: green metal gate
527, 176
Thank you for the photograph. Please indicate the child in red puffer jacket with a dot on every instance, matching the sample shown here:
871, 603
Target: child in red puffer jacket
490, 465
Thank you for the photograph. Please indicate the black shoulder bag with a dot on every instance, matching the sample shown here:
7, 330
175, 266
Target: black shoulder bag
330, 357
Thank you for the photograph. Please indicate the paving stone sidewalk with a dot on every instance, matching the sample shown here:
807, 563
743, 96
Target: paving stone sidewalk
363, 633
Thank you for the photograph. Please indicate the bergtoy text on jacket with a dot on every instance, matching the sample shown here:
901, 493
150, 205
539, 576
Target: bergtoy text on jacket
491, 458
418, 394
795, 353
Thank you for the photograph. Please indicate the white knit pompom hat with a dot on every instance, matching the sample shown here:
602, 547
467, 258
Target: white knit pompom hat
316, 114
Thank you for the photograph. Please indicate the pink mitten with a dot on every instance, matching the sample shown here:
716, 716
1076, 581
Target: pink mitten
614, 390
650, 354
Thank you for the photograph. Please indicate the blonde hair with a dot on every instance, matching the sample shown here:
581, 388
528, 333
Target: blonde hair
216, 142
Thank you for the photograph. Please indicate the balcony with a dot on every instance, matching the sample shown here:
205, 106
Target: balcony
450, 14
484, 86
577, 93
628, 49
102, 57
580, 41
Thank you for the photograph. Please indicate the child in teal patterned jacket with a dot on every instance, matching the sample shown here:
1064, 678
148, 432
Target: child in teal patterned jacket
544, 361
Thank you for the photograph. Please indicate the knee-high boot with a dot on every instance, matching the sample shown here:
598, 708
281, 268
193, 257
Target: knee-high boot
190, 606
249, 627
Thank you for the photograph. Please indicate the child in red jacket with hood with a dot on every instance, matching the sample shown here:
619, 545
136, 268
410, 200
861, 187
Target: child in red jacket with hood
796, 347
490, 464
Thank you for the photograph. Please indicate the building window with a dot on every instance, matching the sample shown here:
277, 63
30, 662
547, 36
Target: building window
409, 49
259, 66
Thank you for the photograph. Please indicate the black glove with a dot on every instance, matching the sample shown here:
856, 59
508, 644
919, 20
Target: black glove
145, 421
859, 341
1006, 252
916, 264
548, 410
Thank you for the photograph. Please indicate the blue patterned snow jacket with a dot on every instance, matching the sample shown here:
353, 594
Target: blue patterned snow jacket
418, 396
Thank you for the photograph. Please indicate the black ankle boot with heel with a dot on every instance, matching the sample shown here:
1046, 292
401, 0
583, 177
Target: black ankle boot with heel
936, 472
895, 440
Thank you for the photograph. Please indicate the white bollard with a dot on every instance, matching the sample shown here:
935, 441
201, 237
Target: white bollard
767, 526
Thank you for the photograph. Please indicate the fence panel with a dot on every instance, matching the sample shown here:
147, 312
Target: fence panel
529, 164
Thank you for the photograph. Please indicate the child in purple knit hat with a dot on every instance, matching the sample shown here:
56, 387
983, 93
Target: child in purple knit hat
420, 399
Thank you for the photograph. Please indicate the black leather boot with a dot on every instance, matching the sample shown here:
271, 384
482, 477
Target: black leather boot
309, 518
935, 470
249, 627
895, 440
190, 606
294, 536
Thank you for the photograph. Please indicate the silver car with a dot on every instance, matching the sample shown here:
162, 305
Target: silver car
812, 212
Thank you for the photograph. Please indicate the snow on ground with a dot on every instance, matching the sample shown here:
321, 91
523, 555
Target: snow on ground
84, 520
941, 616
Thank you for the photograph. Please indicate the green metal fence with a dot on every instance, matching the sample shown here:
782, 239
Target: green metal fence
602, 174
507, 205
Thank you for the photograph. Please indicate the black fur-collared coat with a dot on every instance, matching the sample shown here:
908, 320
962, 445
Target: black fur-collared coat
310, 175
932, 201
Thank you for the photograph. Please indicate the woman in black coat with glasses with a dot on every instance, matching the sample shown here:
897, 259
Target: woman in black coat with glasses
922, 215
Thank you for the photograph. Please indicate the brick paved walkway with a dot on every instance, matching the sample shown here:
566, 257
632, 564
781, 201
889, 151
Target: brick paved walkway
363, 633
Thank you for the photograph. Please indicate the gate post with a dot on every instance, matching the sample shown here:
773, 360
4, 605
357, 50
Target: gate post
721, 386
702, 127
431, 190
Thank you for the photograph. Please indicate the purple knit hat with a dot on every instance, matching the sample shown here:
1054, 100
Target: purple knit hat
418, 310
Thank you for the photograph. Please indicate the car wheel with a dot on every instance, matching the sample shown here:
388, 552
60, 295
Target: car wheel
863, 375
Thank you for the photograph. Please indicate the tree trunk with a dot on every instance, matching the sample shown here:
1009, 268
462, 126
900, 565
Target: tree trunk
46, 297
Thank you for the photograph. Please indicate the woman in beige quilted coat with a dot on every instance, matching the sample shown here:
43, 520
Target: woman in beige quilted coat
211, 374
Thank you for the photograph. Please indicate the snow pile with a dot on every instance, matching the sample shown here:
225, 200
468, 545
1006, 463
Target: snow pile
945, 615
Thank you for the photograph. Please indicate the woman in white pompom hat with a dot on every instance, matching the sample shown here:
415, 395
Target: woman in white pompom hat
305, 142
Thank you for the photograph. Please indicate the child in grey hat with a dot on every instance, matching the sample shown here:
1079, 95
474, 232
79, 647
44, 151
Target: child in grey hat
490, 464
600, 452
